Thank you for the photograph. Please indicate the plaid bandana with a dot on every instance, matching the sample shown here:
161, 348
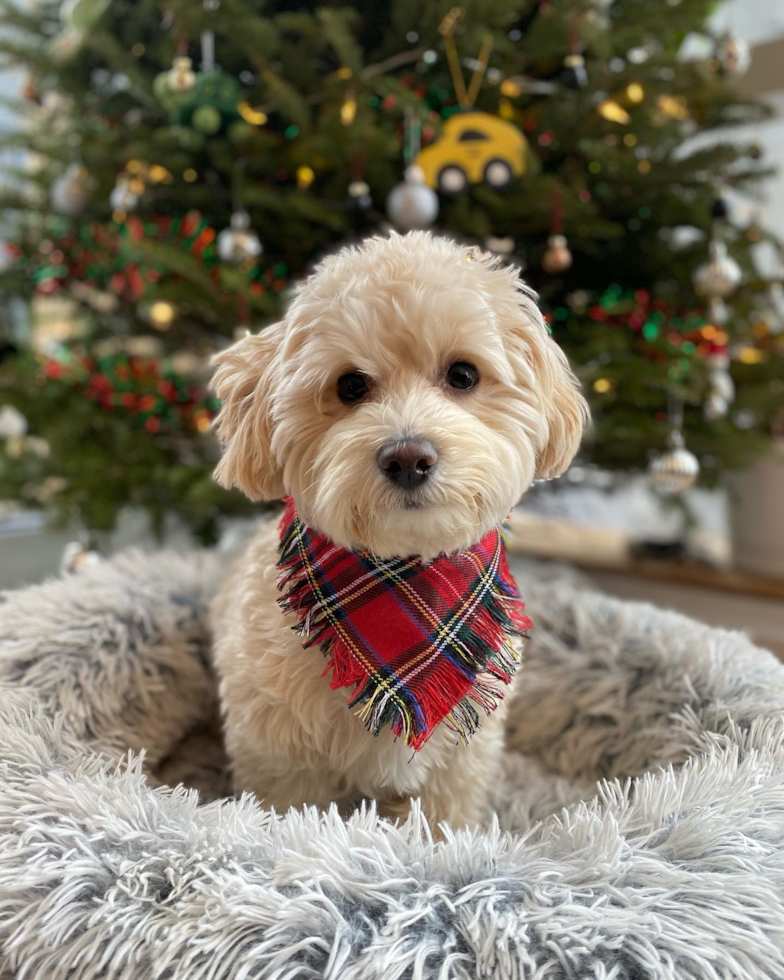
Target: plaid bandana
420, 643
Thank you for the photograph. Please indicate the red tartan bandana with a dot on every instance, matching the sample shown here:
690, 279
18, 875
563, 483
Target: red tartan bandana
419, 643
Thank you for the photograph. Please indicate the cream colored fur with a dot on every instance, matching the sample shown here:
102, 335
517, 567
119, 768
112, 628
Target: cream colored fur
400, 310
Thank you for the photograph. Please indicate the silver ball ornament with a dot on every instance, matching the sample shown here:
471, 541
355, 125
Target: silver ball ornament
13, 425
676, 469
122, 197
412, 204
733, 54
721, 384
70, 193
239, 243
715, 407
720, 276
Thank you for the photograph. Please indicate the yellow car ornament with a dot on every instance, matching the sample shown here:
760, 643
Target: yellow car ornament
474, 147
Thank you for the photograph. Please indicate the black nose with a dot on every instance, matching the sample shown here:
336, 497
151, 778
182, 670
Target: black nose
407, 462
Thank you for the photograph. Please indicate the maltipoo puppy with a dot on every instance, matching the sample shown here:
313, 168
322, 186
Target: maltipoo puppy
403, 406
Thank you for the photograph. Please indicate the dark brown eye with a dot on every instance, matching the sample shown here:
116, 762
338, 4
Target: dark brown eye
462, 375
352, 387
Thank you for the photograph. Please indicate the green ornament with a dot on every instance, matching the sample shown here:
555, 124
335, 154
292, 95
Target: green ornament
206, 119
214, 90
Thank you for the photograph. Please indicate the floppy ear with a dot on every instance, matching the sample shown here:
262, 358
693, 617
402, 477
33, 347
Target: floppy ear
565, 409
244, 380
542, 364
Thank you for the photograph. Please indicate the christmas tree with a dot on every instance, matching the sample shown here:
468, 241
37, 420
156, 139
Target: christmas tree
186, 163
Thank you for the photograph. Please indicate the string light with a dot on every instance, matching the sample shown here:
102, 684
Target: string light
189, 175
348, 110
630, 139
644, 166
510, 88
159, 174
253, 116
610, 110
602, 385
750, 355
673, 106
162, 314
305, 177
505, 109
635, 92
344, 73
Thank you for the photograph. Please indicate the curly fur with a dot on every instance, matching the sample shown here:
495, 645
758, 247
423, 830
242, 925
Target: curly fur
400, 310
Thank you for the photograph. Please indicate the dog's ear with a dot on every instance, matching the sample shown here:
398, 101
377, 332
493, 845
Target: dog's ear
244, 380
541, 363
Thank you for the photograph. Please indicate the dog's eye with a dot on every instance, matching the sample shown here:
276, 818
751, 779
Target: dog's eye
352, 387
462, 375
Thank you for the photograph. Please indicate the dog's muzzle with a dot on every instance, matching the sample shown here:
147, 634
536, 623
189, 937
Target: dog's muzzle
407, 462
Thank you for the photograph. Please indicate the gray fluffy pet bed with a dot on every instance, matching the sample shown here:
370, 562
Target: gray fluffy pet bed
671, 867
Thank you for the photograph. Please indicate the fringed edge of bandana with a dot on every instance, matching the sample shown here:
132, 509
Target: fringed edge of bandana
487, 653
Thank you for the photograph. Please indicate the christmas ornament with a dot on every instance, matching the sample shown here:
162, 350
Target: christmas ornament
675, 470
181, 77
377, 636
715, 407
206, 119
717, 311
239, 243
474, 147
358, 200
123, 197
557, 258
720, 208
720, 276
721, 384
573, 74
772, 313
209, 105
500, 246
76, 556
13, 425
732, 54
412, 204
71, 192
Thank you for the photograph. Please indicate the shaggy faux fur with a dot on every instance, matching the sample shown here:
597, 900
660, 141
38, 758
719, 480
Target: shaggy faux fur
676, 874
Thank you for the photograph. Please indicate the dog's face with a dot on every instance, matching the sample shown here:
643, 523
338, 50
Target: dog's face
406, 402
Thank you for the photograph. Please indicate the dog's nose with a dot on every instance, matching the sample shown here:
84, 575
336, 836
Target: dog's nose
407, 462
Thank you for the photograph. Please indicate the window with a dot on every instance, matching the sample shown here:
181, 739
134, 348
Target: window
472, 134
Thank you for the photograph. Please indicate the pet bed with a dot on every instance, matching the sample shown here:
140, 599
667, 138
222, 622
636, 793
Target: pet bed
671, 867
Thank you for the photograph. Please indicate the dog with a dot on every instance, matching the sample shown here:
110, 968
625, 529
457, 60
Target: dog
406, 402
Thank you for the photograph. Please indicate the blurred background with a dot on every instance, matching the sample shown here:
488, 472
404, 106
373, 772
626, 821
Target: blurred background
169, 170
